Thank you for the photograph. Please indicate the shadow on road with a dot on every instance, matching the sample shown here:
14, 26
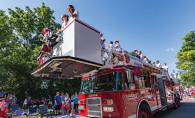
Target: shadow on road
186, 110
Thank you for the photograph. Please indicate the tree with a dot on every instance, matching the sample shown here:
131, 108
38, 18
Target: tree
20, 46
132, 53
186, 59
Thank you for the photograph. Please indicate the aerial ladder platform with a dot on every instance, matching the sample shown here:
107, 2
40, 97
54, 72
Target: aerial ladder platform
79, 53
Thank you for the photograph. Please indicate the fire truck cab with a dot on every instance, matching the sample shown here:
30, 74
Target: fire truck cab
127, 92
114, 84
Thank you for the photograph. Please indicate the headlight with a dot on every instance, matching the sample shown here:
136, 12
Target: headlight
81, 107
108, 109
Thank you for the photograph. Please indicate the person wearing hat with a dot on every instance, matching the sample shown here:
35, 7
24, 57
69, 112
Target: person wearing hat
102, 43
65, 20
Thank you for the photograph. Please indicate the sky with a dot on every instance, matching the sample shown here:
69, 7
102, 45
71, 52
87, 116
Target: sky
155, 27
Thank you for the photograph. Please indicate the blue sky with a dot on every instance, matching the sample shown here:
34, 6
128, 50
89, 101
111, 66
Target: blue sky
154, 27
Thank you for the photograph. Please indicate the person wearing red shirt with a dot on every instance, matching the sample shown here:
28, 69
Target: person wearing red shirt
43, 100
36, 101
63, 107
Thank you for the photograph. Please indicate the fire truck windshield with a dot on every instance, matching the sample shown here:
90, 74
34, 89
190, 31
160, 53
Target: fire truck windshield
107, 82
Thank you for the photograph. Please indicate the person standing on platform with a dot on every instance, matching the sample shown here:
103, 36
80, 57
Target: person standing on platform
65, 20
73, 13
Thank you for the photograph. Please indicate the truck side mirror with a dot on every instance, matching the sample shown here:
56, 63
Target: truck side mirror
132, 86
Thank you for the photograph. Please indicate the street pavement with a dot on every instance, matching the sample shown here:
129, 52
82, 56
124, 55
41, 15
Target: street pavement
186, 110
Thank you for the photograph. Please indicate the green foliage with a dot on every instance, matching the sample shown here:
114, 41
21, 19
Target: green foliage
19, 47
132, 53
186, 58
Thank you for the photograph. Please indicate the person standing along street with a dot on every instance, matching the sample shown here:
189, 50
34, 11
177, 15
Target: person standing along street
50, 101
14, 100
76, 99
67, 103
57, 102
62, 97
73, 13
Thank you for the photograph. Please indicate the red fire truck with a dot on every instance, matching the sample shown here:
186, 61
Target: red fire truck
114, 84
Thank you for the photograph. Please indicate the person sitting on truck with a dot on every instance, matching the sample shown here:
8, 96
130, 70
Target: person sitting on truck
158, 64
65, 19
165, 67
73, 13
145, 59
118, 46
154, 64
136, 54
141, 56
111, 46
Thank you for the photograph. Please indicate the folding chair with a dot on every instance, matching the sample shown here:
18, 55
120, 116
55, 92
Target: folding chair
15, 107
32, 110
18, 113
44, 110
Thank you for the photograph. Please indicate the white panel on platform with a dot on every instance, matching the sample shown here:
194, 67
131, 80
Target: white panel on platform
87, 42
79, 40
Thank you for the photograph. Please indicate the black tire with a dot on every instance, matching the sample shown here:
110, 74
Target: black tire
144, 111
176, 103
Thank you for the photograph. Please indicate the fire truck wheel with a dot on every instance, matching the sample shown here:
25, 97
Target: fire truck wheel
176, 103
144, 111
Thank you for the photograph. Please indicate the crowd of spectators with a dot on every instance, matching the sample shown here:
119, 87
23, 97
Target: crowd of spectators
64, 103
189, 92
61, 103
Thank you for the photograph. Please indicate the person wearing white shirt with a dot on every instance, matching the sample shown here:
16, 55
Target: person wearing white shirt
102, 43
158, 64
145, 59
111, 46
141, 56
154, 64
165, 67
73, 13
118, 46
65, 20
